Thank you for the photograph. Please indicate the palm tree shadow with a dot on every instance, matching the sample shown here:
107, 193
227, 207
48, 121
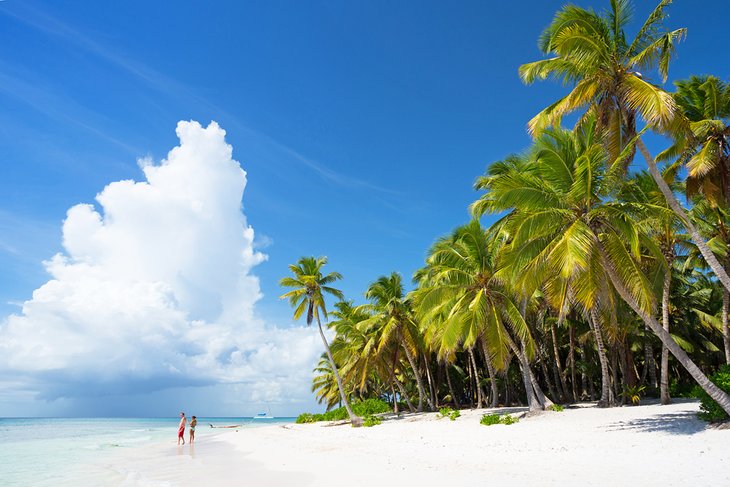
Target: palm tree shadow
684, 423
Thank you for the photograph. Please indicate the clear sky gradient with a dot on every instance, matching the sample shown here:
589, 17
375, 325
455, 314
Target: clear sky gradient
361, 125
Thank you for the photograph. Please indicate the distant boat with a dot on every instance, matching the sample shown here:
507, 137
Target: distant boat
263, 416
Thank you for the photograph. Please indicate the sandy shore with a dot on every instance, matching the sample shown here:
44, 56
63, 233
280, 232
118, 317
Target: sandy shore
644, 445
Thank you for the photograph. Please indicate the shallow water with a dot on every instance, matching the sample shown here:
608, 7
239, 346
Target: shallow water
81, 451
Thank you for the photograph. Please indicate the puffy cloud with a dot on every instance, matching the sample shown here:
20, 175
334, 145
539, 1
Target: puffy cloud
155, 289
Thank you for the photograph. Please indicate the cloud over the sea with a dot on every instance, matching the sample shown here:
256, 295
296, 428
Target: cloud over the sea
154, 289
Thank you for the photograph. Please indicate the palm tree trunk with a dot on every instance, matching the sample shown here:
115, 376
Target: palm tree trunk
480, 399
725, 331
709, 256
664, 377
490, 371
454, 399
532, 401
398, 383
571, 358
557, 366
606, 393
412, 362
433, 401
354, 419
720, 396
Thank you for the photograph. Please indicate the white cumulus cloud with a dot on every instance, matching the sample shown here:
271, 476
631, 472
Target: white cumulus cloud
154, 289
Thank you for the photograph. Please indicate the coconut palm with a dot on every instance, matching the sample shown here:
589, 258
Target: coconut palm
664, 229
309, 287
590, 50
393, 322
459, 294
569, 236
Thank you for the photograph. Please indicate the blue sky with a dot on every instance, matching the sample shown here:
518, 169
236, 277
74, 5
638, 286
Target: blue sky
361, 126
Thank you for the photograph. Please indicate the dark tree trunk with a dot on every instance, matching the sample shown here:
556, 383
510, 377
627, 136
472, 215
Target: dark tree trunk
480, 399
664, 381
454, 398
490, 371
571, 358
557, 366
606, 393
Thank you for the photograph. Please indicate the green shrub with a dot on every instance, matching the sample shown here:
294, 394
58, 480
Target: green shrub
309, 418
633, 394
371, 420
557, 408
507, 419
363, 409
709, 409
490, 419
447, 412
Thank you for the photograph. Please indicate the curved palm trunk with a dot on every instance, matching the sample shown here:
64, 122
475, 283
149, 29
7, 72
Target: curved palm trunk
354, 419
664, 377
607, 398
709, 256
490, 371
720, 396
419, 380
532, 401
398, 383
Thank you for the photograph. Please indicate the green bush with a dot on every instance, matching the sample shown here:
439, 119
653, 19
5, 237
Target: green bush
447, 412
371, 420
557, 408
709, 409
490, 419
363, 409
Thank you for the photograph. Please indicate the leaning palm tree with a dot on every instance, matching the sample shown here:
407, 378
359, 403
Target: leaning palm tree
309, 286
590, 50
663, 227
569, 235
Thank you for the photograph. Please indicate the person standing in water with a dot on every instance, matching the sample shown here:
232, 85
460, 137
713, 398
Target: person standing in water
181, 429
193, 424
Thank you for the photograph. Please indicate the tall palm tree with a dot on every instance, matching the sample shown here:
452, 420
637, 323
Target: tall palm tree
705, 102
307, 295
459, 293
394, 321
590, 50
569, 236
664, 229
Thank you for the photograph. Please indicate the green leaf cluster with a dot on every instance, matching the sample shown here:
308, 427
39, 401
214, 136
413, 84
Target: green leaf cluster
709, 409
364, 409
490, 419
447, 412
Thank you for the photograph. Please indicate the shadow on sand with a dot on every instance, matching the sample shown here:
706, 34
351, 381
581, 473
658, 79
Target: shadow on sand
684, 423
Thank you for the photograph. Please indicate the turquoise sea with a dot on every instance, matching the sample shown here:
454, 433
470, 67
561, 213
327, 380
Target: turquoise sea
82, 451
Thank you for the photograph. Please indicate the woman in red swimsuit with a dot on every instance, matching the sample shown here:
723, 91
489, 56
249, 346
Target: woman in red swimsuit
181, 429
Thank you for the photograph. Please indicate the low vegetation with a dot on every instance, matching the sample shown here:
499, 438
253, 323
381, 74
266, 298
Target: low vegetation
452, 414
490, 419
365, 409
709, 409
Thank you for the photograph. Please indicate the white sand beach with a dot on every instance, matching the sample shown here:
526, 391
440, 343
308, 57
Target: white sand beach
643, 445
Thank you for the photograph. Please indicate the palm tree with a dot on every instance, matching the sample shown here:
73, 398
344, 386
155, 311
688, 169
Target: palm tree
591, 51
664, 229
705, 102
308, 285
459, 293
393, 321
569, 236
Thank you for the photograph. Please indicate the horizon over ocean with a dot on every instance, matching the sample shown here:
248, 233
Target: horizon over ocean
84, 451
